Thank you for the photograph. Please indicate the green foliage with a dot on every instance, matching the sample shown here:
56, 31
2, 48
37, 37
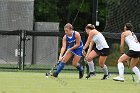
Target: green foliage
64, 11
102, 14
45, 10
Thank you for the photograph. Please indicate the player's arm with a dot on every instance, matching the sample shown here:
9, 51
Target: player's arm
122, 42
88, 40
78, 38
63, 48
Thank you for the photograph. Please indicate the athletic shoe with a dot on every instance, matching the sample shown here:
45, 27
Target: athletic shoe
106, 77
118, 78
81, 74
91, 74
55, 74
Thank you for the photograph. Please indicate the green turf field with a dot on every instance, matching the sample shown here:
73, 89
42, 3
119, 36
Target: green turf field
27, 82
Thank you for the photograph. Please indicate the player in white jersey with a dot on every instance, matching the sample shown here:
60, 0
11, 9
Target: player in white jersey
101, 50
133, 53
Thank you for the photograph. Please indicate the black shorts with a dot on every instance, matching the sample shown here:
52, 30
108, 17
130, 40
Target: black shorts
133, 54
103, 52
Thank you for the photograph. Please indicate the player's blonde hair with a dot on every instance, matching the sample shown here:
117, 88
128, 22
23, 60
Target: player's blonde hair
68, 25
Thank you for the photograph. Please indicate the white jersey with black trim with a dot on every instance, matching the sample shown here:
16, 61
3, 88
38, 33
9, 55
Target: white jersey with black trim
100, 41
132, 42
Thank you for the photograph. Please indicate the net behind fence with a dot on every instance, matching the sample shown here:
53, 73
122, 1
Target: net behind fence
120, 12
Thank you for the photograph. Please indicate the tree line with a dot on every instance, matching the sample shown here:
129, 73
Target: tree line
64, 11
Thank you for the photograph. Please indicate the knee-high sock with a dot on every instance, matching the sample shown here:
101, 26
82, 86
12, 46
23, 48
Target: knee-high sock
91, 66
60, 67
121, 69
105, 70
79, 67
136, 71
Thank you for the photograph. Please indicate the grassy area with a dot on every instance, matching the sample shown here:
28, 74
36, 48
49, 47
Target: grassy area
27, 82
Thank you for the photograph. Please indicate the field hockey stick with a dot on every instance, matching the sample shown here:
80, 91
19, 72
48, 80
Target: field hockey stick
128, 64
86, 64
57, 63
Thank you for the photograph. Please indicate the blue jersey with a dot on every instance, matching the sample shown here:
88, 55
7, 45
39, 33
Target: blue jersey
71, 41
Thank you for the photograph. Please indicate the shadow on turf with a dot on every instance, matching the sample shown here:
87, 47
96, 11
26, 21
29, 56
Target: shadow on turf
60, 81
